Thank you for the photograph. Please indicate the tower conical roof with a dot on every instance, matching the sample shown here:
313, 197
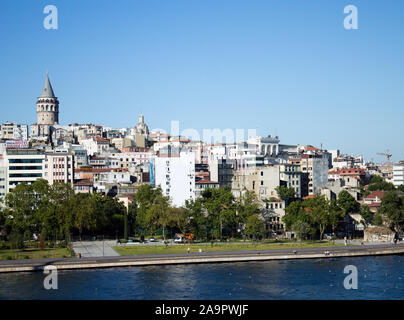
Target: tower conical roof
47, 91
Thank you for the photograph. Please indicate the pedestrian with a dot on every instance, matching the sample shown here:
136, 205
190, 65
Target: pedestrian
345, 240
395, 238
189, 249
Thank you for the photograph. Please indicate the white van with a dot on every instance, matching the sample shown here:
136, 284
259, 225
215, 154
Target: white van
178, 238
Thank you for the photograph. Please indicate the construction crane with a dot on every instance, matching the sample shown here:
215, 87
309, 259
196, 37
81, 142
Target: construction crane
387, 154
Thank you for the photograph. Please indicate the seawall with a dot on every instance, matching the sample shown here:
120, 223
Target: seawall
207, 257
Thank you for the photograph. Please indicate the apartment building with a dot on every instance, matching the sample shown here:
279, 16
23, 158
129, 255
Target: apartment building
58, 167
175, 173
316, 166
398, 174
13, 130
23, 165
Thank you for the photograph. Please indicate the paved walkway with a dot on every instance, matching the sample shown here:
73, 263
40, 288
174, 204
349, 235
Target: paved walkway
205, 257
91, 249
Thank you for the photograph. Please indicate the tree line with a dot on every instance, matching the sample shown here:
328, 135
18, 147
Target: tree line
215, 215
55, 211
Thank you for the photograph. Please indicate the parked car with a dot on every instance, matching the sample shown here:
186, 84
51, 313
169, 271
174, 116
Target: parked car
178, 240
152, 240
328, 236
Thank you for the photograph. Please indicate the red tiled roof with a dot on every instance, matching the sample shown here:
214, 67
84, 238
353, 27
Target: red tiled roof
100, 170
374, 194
206, 181
83, 182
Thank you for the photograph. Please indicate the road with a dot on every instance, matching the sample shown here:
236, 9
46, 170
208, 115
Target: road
91, 249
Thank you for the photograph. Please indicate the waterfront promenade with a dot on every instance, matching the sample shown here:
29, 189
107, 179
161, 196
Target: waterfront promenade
203, 257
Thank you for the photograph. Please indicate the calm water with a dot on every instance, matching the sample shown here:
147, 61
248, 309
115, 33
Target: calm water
378, 278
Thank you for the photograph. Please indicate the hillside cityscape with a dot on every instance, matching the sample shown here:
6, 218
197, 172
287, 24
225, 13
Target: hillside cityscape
260, 185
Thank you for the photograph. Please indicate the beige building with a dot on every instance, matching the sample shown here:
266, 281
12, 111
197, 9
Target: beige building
59, 167
265, 179
261, 180
121, 143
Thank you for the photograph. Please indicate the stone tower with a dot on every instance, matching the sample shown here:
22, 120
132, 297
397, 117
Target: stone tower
47, 106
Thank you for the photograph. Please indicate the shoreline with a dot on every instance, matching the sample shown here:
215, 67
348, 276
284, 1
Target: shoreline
7, 266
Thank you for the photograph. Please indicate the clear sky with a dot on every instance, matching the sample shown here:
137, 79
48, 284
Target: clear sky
286, 68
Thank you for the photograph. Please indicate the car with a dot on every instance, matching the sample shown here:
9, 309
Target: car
178, 240
328, 236
152, 240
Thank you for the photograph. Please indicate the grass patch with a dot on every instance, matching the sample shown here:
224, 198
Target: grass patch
183, 248
33, 253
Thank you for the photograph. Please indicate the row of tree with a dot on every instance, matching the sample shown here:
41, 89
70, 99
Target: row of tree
217, 214
56, 211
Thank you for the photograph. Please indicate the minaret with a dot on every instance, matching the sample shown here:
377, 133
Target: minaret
47, 106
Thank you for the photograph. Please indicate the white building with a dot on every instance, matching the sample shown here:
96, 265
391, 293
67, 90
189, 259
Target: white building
23, 165
13, 130
96, 145
3, 177
130, 159
398, 174
114, 177
175, 174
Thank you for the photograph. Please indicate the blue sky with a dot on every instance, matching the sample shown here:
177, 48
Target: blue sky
285, 68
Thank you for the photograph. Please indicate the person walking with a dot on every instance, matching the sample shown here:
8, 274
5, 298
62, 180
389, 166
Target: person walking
395, 238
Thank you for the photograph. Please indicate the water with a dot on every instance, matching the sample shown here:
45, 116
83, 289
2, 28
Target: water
378, 278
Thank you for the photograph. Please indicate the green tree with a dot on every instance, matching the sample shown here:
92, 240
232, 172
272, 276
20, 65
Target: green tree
317, 209
221, 208
336, 214
294, 212
392, 208
347, 202
378, 183
366, 215
285, 193
255, 227
378, 219
302, 229
197, 222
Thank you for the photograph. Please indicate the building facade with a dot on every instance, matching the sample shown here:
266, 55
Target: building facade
175, 173
398, 174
